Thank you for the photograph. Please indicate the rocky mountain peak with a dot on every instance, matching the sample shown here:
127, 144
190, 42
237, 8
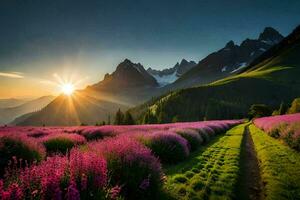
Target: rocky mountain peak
128, 74
230, 44
270, 35
126, 63
183, 62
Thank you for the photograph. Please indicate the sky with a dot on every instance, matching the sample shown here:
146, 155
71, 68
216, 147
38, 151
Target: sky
42, 40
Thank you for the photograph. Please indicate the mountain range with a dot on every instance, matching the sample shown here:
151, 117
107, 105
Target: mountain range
228, 60
131, 85
271, 78
170, 75
12, 102
15, 108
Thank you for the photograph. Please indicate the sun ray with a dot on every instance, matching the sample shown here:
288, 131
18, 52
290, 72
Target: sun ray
67, 84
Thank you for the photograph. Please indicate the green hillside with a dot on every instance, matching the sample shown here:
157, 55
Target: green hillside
271, 79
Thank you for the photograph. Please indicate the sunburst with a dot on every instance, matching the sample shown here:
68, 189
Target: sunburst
67, 88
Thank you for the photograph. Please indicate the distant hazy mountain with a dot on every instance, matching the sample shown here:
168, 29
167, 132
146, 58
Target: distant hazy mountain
12, 102
170, 75
271, 78
9, 114
21, 118
229, 60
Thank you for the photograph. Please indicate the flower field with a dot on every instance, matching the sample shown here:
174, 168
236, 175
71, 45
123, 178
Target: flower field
285, 127
105, 162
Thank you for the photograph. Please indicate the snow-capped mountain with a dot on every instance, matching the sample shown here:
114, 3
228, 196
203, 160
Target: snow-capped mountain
230, 59
170, 75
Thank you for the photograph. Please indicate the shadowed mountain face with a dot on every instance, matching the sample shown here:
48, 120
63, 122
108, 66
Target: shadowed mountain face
80, 108
170, 75
127, 75
271, 79
129, 84
229, 60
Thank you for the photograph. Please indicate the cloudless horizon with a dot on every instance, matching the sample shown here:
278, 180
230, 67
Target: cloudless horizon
83, 40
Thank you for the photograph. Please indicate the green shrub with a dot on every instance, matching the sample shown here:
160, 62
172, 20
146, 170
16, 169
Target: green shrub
259, 110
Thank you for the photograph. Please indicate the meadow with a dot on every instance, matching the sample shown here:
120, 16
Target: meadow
191, 160
105, 162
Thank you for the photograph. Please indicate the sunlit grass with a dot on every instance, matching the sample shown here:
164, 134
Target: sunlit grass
262, 72
279, 166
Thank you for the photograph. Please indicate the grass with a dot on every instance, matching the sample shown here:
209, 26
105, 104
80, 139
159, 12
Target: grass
211, 172
279, 166
262, 72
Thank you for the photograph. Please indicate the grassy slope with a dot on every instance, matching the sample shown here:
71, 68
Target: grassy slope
279, 166
280, 68
210, 172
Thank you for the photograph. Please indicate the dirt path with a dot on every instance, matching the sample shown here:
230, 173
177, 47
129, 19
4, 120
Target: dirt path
249, 182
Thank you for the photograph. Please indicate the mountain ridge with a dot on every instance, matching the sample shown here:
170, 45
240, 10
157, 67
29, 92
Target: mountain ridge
10, 113
229, 60
273, 79
129, 85
170, 75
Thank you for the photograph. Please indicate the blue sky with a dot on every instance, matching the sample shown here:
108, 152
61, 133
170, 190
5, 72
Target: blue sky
43, 37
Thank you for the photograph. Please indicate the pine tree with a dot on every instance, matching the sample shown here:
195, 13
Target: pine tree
295, 107
128, 120
175, 119
149, 118
146, 118
108, 120
282, 109
162, 117
119, 118
152, 119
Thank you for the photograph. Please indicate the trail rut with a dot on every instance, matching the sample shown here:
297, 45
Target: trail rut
249, 186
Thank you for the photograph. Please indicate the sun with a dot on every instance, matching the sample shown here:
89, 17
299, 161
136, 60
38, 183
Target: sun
67, 88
